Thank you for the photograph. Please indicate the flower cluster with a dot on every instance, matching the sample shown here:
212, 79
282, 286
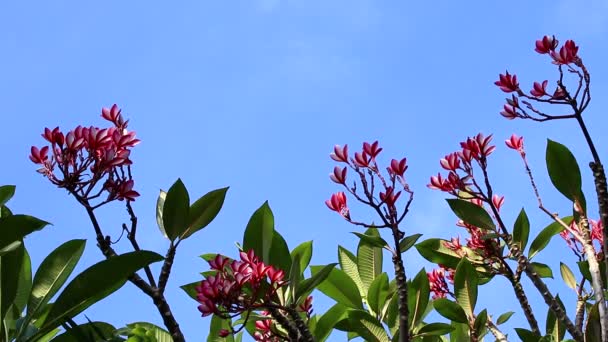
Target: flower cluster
86, 156
566, 56
597, 235
364, 164
238, 286
438, 281
460, 166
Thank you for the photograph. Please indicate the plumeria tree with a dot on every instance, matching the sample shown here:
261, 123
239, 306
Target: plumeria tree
265, 289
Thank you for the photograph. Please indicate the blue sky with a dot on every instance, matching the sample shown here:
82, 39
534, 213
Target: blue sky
254, 94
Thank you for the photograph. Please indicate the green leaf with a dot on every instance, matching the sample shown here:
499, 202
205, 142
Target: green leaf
375, 241
10, 247
304, 253
504, 317
87, 332
6, 193
545, 235
337, 286
190, 289
583, 267
318, 276
418, 297
94, 284
52, 274
16, 227
367, 326
218, 323
480, 322
465, 286
434, 250
176, 210
460, 332
567, 275
392, 314
204, 210
408, 242
160, 203
563, 170
326, 323
471, 213
450, 310
279, 253
542, 270
260, 232
435, 329
348, 264
24, 286
521, 230
5, 211
378, 293
526, 335
369, 260
10, 267
554, 327
159, 333
295, 276
593, 328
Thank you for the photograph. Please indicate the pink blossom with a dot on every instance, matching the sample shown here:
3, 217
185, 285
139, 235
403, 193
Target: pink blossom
507, 83
568, 53
372, 150
389, 196
539, 89
340, 154
339, 175
516, 143
337, 203
398, 167
498, 201
546, 44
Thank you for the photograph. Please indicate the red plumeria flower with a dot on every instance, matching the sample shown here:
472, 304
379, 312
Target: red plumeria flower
539, 89
390, 197
113, 115
509, 112
546, 44
449, 184
125, 191
372, 150
340, 154
39, 156
54, 137
498, 201
453, 245
219, 262
439, 287
478, 146
398, 167
567, 54
337, 203
507, 83
362, 159
451, 162
515, 142
276, 276
339, 175
306, 306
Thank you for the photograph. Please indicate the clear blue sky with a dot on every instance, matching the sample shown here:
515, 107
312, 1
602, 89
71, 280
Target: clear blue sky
254, 94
